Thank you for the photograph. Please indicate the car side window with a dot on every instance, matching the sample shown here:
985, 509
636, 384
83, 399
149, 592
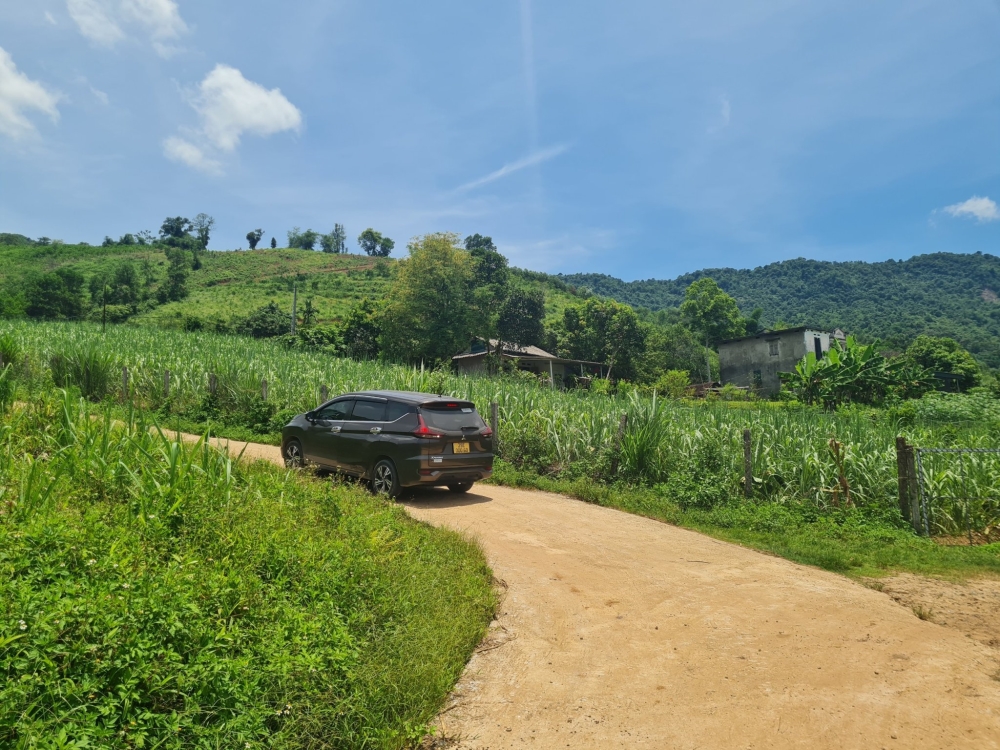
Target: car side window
338, 410
368, 411
395, 410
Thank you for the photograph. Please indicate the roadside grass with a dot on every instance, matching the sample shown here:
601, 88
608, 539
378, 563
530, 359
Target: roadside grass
154, 594
858, 543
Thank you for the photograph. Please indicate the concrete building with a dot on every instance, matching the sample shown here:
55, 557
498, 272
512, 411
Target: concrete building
529, 358
755, 361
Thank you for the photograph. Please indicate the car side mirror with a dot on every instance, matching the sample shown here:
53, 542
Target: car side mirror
310, 416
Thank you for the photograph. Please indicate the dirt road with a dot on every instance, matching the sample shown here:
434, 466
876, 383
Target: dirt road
619, 631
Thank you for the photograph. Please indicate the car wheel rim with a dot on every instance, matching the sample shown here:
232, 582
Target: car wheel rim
383, 479
293, 457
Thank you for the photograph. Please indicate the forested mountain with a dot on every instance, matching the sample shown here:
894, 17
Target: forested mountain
944, 294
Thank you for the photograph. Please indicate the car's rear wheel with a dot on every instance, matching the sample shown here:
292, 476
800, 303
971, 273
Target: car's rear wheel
385, 481
292, 453
461, 487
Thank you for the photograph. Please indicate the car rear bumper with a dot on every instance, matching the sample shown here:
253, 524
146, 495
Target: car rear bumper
443, 477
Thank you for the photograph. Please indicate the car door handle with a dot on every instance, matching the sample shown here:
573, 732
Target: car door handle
375, 430
335, 428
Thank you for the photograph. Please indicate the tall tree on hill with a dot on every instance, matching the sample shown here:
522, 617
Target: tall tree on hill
202, 226
336, 241
519, 321
253, 238
174, 287
429, 314
177, 228
711, 312
274, 243
375, 243
302, 240
55, 295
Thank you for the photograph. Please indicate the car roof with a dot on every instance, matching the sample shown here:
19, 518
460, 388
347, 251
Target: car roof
410, 397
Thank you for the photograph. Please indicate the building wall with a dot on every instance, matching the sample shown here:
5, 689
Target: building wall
755, 362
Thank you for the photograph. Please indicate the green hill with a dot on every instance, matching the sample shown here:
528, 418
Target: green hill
944, 294
231, 284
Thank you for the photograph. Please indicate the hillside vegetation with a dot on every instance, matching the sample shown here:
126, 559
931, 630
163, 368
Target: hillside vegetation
943, 294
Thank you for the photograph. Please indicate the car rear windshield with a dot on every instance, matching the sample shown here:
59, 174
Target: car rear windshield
452, 417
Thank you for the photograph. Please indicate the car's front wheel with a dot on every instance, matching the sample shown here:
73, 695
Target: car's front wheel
385, 481
292, 453
461, 487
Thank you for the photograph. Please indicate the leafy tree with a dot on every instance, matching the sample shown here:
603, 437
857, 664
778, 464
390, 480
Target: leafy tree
120, 287
253, 238
309, 313
265, 322
145, 237
55, 296
362, 329
174, 288
302, 240
479, 242
944, 355
108, 242
274, 243
520, 319
374, 243
177, 228
671, 347
202, 226
429, 315
673, 384
336, 241
710, 312
603, 331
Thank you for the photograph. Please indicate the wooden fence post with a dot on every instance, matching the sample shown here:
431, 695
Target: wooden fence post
213, 383
908, 484
124, 384
166, 384
324, 394
747, 464
263, 390
622, 424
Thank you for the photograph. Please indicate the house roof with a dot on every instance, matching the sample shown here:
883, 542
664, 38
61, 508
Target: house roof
526, 352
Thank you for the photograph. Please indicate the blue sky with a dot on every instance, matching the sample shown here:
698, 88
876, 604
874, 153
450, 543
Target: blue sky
640, 139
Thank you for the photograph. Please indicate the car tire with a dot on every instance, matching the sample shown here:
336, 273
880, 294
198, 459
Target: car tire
291, 452
460, 488
385, 479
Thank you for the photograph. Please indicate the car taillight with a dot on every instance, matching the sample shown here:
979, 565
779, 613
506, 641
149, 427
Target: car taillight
487, 431
423, 431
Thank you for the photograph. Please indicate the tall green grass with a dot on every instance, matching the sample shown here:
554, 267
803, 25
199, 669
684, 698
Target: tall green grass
154, 594
692, 450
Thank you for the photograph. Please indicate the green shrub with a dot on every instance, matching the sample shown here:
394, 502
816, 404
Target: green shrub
89, 367
159, 595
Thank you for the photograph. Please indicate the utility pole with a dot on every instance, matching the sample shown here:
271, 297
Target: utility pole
295, 302
104, 314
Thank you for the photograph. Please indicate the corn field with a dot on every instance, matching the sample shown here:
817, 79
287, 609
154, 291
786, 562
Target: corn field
800, 454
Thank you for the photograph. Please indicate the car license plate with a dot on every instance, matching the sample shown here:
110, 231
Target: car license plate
460, 448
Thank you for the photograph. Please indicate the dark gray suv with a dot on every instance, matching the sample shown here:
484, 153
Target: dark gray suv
394, 439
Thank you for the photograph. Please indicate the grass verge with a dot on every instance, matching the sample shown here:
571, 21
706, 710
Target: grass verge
154, 594
857, 543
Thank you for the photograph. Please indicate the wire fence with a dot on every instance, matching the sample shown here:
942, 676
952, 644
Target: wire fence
958, 492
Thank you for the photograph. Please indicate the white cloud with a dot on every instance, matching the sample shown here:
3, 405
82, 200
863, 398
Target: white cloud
102, 21
185, 152
229, 106
19, 93
99, 95
981, 209
50, 18
528, 161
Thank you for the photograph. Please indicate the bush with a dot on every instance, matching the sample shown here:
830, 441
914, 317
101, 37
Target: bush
160, 595
89, 367
265, 322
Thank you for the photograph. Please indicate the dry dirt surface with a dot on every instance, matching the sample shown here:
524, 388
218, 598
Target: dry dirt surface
617, 631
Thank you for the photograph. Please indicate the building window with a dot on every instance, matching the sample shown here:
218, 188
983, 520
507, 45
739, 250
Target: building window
772, 348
